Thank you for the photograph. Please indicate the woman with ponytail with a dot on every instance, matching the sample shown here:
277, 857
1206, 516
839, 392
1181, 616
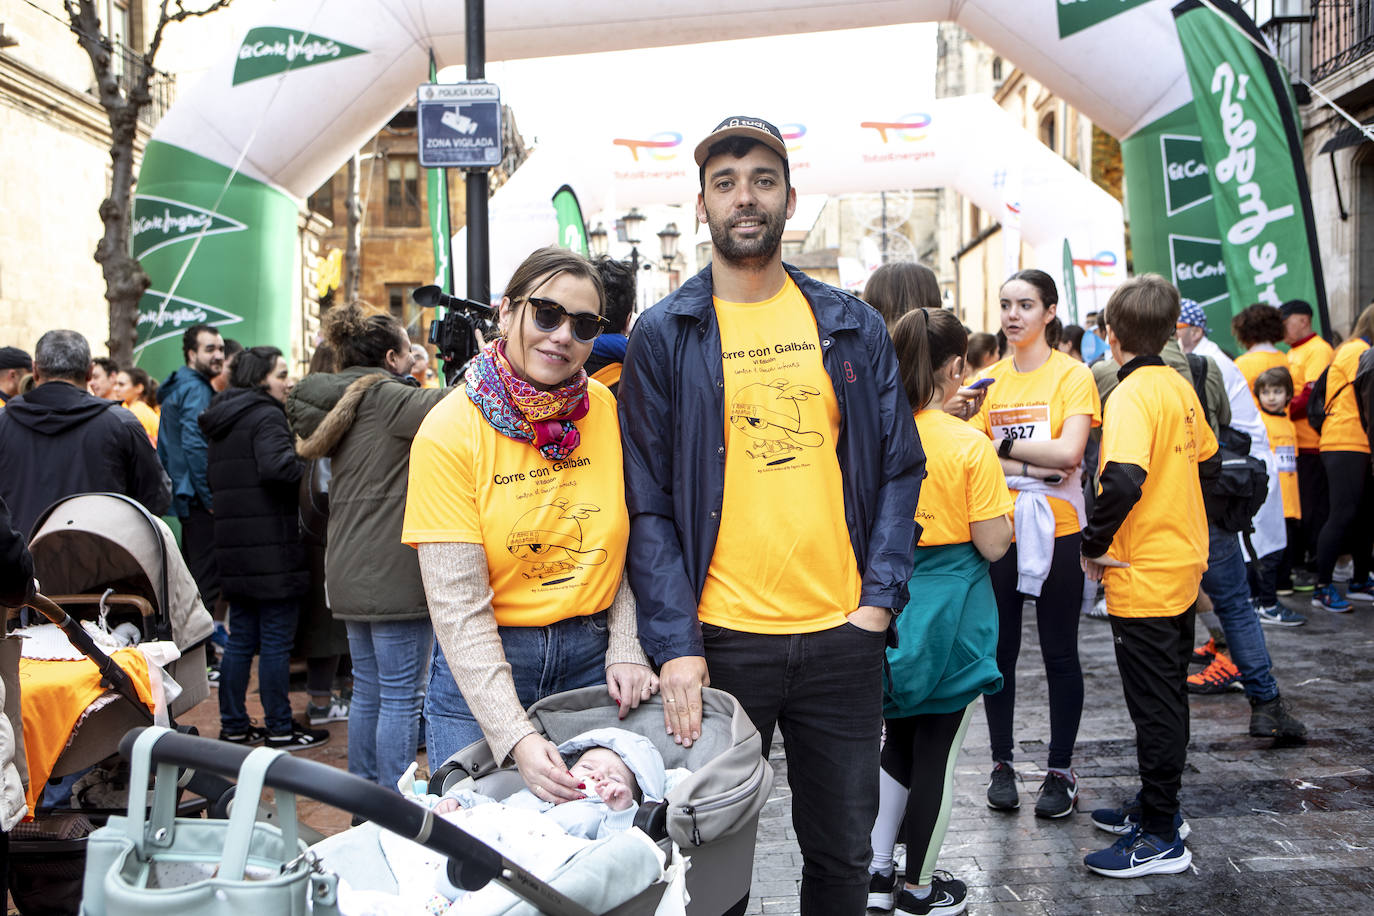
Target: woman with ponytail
947, 635
363, 417
517, 510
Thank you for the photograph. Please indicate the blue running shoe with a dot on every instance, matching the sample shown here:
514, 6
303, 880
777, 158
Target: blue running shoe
1137, 854
1326, 597
1360, 591
1125, 819
1279, 616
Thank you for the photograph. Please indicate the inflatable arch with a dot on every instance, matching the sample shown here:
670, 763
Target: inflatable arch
215, 217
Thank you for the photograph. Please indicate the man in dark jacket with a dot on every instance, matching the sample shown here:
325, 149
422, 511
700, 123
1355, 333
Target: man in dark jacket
772, 469
14, 365
181, 446
59, 439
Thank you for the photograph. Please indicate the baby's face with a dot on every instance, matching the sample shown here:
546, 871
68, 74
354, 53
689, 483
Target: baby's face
604, 773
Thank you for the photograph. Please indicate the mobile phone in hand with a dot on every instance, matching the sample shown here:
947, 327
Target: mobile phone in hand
981, 383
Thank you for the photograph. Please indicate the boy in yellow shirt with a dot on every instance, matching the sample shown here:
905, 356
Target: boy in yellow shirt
1147, 541
1273, 390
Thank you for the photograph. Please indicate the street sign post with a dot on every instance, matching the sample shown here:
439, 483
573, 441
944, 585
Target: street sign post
460, 125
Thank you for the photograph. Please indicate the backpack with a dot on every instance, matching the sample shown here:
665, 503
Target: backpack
1364, 392
1317, 401
1237, 492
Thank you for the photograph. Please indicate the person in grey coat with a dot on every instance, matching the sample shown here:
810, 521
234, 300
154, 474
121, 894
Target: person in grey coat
363, 418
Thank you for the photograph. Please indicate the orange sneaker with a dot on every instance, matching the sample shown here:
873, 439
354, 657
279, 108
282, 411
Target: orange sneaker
1204, 653
1218, 677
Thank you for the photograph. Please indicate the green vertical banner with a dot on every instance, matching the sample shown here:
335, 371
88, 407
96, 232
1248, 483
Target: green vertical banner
572, 230
436, 189
1253, 146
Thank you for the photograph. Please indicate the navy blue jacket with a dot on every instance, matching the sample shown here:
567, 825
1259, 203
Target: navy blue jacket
672, 421
180, 443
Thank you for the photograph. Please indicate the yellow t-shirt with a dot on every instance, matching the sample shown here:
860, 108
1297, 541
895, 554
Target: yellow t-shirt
1155, 421
1311, 357
964, 481
1033, 405
148, 417
783, 562
1341, 430
1283, 442
1257, 361
554, 531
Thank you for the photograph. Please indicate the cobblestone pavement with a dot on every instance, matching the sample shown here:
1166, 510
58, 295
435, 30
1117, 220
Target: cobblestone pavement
1273, 829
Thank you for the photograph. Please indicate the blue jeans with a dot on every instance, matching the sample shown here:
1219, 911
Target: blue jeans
824, 691
1226, 584
543, 661
388, 687
266, 629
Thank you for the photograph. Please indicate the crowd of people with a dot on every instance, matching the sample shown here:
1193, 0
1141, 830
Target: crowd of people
833, 508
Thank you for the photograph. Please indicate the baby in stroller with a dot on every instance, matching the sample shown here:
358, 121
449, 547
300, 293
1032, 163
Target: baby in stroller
618, 769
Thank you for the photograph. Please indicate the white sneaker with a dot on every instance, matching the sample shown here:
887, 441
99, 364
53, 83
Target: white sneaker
335, 711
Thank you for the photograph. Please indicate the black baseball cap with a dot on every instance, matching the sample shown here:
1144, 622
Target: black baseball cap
1295, 307
740, 126
14, 358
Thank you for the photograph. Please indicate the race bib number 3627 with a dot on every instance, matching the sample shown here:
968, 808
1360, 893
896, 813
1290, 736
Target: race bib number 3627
1031, 421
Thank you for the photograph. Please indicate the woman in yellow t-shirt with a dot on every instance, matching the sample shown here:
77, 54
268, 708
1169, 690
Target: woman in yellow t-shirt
1345, 456
138, 392
1257, 329
946, 654
516, 503
1038, 411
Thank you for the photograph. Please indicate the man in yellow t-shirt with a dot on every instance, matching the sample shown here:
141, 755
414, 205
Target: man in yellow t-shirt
772, 468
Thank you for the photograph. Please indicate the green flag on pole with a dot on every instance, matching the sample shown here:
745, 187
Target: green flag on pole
436, 186
1253, 146
572, 231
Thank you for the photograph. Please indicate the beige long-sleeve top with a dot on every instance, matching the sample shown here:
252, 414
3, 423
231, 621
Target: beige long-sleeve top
458, 589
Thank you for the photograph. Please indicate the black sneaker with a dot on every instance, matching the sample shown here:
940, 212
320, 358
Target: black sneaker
1271, 719
253, 735
880, 890
1002, 794
299, 739
1058, 796
947, 895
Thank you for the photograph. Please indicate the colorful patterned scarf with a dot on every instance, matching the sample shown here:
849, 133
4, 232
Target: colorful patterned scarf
523, 412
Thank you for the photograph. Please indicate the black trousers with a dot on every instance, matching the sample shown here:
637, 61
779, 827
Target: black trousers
198, 547
1315, 500
1350, 520
824, 691
1152, 656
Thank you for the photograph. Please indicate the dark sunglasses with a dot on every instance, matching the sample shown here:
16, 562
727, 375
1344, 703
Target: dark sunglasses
548, 315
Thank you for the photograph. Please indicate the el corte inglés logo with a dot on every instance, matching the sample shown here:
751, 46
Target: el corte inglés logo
269, 50
159, 222
162, 316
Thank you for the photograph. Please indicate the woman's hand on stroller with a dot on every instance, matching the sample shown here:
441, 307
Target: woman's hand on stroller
543, 769
630, 684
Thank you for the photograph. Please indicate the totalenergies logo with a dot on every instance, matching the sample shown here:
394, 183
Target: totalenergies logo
662, 146
910, 128
1103, 264
791, 136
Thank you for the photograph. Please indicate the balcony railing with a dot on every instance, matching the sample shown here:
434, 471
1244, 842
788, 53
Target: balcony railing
1342, 33
161, 86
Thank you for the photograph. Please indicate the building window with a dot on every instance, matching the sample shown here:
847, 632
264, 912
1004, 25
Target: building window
404, 308
997, 70
322, 201
402, 191
1048, 134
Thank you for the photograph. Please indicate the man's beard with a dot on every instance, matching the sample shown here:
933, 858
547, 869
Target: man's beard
754, 252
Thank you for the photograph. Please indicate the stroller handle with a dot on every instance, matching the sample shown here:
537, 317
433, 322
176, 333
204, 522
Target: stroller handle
472, 863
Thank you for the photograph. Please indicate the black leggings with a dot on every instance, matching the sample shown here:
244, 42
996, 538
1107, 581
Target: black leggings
1350, 520
1057, 612
917, 755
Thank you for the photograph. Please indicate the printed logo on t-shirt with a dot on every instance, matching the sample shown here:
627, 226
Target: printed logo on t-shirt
550, 539
1026, 421
771, 416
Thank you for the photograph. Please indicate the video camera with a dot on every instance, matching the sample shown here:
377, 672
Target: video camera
455, 335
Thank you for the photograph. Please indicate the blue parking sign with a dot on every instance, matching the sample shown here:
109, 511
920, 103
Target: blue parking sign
460, 125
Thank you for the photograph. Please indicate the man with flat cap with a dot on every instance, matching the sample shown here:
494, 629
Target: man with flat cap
14, 365
1309, 355
772, 469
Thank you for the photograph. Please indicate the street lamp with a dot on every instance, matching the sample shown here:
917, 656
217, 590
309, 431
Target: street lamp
667, 242
597, 239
